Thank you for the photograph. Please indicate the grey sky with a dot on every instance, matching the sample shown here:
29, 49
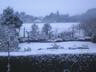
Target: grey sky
44, 7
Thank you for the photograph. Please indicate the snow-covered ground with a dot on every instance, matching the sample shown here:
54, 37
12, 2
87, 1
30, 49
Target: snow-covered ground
71, 47
36, 48
58, 27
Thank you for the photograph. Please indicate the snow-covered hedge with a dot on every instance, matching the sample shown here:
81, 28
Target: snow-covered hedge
50, 63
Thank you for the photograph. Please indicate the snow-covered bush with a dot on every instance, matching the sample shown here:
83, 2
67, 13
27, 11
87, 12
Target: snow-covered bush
27, 49
55, 46
93, 38
8, 38
81, 47
67, 35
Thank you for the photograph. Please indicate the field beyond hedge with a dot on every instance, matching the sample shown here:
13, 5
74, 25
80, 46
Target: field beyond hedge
50, 63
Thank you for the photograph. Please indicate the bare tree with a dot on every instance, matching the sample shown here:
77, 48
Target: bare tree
89, 26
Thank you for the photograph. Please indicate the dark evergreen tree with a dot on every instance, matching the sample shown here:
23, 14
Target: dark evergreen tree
34, 34
9, 24
9, 18
46, 30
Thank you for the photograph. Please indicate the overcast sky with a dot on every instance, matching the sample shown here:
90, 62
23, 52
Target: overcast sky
44, 7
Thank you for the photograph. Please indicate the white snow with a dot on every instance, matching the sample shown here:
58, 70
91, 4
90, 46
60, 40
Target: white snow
66, 45
41, 48
37, 48
58, 27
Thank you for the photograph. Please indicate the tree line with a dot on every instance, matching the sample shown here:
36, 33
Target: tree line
86, 27
56, 17
10, 24
47, 34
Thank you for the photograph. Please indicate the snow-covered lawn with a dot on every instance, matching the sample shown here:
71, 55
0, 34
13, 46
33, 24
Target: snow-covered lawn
72, 47
42, 48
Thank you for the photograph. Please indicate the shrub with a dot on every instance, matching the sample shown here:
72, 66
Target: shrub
93, 38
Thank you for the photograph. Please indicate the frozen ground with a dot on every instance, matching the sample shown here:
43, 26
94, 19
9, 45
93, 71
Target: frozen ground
74, 47
58, 27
